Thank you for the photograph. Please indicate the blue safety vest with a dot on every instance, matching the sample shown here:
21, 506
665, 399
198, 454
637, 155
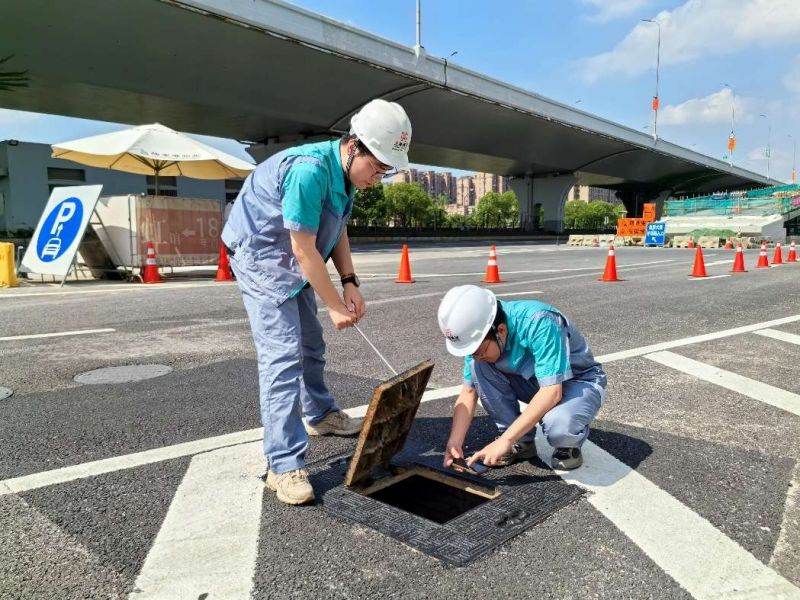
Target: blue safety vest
300, 189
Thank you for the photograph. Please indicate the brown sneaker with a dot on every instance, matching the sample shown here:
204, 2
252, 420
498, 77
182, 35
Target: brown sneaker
292, 487
519, 451
335, 423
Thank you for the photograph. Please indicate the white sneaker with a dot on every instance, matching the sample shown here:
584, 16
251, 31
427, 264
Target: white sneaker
335, 423
292, 487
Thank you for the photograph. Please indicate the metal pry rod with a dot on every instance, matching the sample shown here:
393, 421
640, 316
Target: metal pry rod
391, 368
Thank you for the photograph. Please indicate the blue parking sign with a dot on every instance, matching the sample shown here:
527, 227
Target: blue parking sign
655, 233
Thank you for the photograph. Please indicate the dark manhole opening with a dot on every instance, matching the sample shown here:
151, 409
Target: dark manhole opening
430, 498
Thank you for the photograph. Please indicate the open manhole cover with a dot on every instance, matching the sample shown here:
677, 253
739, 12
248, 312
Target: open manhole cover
5, 392
451, 516
123, 374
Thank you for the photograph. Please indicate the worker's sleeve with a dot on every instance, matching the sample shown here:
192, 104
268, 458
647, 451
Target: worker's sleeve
545, 336
468, 371
303, 190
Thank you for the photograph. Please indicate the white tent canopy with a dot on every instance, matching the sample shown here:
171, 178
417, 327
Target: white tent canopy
153, 150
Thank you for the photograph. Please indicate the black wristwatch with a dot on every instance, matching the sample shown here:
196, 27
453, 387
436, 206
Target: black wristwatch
351, 278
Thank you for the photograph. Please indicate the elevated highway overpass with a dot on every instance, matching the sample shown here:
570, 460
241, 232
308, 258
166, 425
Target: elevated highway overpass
277, 75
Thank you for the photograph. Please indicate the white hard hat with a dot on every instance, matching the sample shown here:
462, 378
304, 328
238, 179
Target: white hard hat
383, 127
466, 314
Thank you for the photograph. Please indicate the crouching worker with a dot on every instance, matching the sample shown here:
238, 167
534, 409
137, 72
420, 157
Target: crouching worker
288, 220
520, 351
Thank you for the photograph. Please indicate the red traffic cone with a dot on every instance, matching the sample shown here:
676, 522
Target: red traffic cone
150, 270
738, 262
492, 271
223, 265
610, 274
404, 276
690, 245
729, 244
792, 253
762, 263
699, 269
777, 258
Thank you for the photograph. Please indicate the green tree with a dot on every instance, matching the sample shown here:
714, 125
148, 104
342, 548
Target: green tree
407, 204
437, 216
369, 206
575, 214
458, 221
497, 210
592, 215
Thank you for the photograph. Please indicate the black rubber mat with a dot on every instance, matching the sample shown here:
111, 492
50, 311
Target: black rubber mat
529, 495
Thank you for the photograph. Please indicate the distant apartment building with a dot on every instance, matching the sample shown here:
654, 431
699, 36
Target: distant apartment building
435, 183
462, 193
586, 193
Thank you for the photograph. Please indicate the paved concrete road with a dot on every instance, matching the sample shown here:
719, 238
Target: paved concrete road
149, 489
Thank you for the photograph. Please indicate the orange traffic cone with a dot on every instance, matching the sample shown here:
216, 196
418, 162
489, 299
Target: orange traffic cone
492, 271
729, 244
792, 253
762, 263
777, 258
150, 270
699, 269
690, 245
223, 266
404, 276
738, 262
610, 274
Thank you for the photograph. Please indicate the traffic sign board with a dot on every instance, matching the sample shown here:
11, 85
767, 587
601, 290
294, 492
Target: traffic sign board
655, 234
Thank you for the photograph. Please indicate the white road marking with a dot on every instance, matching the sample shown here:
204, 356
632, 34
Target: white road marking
623, 354
208, 542
763, 392
34, 336
519, 293
783, 336
24, 483
122, 287
688, 548
706, 278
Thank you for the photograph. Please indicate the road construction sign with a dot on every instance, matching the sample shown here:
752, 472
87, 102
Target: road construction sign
655, 234
60, 230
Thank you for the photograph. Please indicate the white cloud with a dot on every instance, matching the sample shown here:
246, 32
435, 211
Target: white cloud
608, 10
695, 29
714, 108
792, 79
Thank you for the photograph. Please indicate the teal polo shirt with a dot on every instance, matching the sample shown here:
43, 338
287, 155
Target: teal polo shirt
315, 174
537, 345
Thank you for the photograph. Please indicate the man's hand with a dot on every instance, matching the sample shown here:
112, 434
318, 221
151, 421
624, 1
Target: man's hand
354, 301
452, 451
491, 453
341, 317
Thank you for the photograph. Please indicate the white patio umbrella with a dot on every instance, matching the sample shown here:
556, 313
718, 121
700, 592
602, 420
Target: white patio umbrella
153, 150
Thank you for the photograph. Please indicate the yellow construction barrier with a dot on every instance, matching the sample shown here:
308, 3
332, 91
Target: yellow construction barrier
8, 274
575, 240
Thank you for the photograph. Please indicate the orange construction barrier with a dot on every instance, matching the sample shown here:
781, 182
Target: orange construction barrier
738, 262
223, 265
150, 272
777, 258
792, 253
404, 276
699, 269
610, 273
763, 262
492, 271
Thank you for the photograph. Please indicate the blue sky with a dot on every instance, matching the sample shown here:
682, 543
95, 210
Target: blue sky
599, 56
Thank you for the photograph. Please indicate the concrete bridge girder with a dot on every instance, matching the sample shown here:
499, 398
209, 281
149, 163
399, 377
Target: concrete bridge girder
549, 193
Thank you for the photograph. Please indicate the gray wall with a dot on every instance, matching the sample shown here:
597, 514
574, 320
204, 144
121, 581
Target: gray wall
25, 185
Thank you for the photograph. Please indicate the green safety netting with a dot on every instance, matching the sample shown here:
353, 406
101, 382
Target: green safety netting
779, 199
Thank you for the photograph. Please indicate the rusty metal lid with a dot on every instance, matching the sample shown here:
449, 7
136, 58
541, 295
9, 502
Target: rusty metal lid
388, 420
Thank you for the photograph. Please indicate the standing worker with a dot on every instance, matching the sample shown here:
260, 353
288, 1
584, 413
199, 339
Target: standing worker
289, 219
521, 351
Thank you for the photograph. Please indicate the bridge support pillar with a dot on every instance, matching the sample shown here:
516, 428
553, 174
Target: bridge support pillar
634, 201
536, 193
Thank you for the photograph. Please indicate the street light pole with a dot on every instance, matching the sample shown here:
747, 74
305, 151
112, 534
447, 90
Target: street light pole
794, 157
732, 138
658, 65
419, 26
769, 143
